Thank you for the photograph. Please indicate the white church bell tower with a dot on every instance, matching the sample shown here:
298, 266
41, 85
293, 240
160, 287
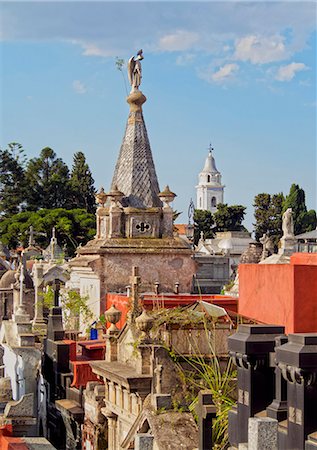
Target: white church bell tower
209, 188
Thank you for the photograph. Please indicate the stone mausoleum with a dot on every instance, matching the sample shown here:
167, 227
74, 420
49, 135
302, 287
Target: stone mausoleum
134, 221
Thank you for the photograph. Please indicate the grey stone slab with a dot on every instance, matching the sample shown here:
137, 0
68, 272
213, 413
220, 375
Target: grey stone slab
262, 433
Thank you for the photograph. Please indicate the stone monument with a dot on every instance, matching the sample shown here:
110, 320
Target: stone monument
134, 218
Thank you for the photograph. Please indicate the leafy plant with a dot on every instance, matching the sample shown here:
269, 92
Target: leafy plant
219, 376
74, 307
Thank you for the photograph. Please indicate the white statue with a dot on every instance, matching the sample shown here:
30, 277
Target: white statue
288, 224
135, 70
268, 246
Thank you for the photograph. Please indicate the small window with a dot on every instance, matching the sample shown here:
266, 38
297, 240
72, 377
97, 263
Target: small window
199, 202
213, 202
208, 178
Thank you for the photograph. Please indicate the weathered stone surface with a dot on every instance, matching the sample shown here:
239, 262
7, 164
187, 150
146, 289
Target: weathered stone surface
156, 264
262, 433
143, 441
5, 390
162, 401
22, 408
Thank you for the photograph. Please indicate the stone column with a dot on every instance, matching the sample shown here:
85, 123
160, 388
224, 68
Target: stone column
297, 360
112, 432
112, 392
38, 321
250, 349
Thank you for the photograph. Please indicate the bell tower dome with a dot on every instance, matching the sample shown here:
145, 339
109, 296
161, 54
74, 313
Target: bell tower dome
209, 189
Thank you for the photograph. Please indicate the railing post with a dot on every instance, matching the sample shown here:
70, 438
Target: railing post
250, 348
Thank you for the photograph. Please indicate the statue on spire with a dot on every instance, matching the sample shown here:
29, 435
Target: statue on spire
135, 70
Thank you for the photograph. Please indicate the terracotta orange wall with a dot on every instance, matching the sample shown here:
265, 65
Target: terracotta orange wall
281, 294
121, 302
305, 299
266, 293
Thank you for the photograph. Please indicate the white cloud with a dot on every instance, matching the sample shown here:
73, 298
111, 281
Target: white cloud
260, 49
287, 73
185, 59
179, 41
224, 72
79, 87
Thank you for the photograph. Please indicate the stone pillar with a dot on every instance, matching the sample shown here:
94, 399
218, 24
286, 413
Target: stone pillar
112, 432
250, 348
262, 433
278, 408
55, 329
167, 225
115, 222
111, 348
297, 360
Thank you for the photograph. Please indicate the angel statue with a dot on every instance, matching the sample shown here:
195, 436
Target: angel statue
135, 70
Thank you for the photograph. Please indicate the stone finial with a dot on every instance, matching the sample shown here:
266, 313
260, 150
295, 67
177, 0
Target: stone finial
101, 197
115, 195
167, 196
112, 315
144, 324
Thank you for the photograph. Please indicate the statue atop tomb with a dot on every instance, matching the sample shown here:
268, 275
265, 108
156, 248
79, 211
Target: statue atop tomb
288, 224
135, 70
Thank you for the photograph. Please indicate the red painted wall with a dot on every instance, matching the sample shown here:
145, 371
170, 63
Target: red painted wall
281, 294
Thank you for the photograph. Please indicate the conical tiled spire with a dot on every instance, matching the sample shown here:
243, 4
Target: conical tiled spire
135, 173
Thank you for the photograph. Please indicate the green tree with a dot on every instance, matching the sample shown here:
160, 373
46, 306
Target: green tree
203, 222
229, 218
262, 204
303, 220
82, 184
12, 179
268, 216
48, 182
73, 227
275, 225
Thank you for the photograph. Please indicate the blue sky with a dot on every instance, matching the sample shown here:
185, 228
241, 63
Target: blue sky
240, 75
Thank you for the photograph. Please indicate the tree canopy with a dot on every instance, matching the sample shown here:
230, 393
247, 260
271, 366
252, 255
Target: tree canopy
48, 182
203, 222
43, 182
82, 184
73, 227
229, 218
12, 179
268, 211
303, 220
